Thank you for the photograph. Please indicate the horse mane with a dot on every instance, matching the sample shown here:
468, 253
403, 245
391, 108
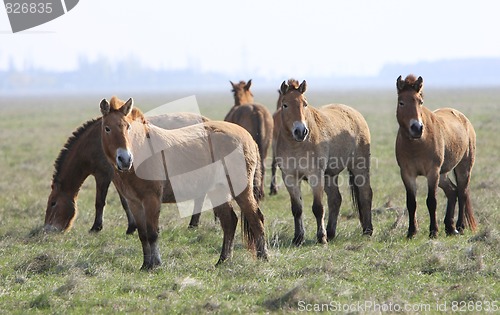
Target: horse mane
410, 80
69, 144
136, 114
292, 83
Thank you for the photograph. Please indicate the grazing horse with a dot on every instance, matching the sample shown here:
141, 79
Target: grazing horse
82, 156
179, 167
316, 145
276, 129
432, 144
255, 118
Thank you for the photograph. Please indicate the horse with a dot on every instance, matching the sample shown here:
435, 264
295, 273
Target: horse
82, 156
276, 129
154, 166
316, 144
255, 118
432, 144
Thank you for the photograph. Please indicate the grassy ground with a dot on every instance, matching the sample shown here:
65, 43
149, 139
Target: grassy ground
78, 272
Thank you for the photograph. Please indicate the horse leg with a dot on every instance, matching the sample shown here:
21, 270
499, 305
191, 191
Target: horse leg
432, 184
450, 191
334, 202
293, 187
228, 222
132, 226
362, 195
317, 185
152, 205
465, 211
140, 219
195, 218
274, 188
252, 222
102, 186
410, 183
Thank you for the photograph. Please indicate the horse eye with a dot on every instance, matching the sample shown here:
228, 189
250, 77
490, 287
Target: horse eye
305, 104
421, 102
285, 105
53, 204
401, 104
107, 129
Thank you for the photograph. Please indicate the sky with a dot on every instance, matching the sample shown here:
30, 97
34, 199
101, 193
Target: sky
265, 38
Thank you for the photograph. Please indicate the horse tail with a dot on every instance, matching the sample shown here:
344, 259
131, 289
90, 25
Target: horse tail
355, 195
470, 221
248, 234
259, 132
257, 180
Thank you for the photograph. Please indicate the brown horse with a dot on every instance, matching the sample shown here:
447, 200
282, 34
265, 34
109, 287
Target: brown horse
316, 145
255, 118
432, 144
276, 129
82, 156
172, 160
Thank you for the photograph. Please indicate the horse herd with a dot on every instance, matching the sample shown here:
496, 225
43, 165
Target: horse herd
187, 158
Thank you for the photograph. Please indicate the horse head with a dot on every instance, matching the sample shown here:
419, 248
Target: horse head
294, 110
116, 124
241, 91
410, 101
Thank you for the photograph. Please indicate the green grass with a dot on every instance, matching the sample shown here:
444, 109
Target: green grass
82, 273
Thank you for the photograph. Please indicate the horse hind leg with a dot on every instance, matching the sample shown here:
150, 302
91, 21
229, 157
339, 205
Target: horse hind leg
465, 211
362, 195
450, 191
334, 203
252, 223
102, 186
228, 221
195, 218
273, 188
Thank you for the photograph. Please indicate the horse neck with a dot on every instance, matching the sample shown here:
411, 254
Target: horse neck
247, 99
78, 159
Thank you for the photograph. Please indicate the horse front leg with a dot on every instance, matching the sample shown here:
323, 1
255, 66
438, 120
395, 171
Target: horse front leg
139, 214
432, 184
410, 183
102, 185
152, 205
132, 226
317, 184
293, 186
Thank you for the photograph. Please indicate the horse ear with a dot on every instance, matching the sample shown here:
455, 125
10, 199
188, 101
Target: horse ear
105, 107
283, 88
232, 84
127, 107
247, 86
400, 84
302, 87
419, 84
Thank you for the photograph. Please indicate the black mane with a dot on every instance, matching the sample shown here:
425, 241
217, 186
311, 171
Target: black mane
67, 146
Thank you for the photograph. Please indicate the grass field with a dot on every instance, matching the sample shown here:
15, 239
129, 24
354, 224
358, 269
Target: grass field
78, 272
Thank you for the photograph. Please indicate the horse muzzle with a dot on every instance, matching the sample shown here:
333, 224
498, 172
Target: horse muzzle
299, 131
124, 159
416, 129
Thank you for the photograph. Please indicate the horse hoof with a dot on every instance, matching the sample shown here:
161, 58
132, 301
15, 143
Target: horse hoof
95, 229
433, 234
452, 232
273, 192
322, 240
298, 240
131, 230
368, 232
192, 226
410, 235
